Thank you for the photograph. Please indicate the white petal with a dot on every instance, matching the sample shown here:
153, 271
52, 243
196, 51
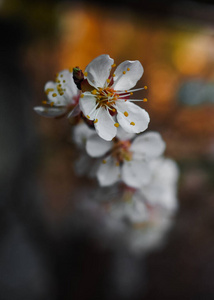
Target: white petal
98, 70
75, 111
123, 135
136, 211
134, 71
148, 145
105, 125
108, 173
67, 82
80, 134
136, 114
87, 105
96, 146
135, 173
50, 112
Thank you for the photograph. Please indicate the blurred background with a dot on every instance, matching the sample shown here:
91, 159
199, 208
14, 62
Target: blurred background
40, 256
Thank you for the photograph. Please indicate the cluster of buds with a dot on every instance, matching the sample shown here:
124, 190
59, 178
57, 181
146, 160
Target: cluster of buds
113, 148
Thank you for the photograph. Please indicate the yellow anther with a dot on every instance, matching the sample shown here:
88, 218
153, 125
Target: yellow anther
54, 94
44, 102
113, 75
145, 100
86, 74
57, 74
108, 80
124, 72
61, 94
104, 161
114, 65
88, 116
48, 91
51, 104
132, 123
131, 94
117, 164
113, 109
116, 124
126, 91
128, 69
64, 81
94, 92
58, 81
95, 121
145, 87
61, 75
82, 95
126, 114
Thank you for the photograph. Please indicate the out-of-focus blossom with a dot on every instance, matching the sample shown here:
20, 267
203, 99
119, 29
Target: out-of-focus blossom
125, 160
62, 97
107, 101
162, 187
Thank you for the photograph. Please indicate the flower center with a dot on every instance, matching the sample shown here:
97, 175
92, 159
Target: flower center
120, 151
105, 97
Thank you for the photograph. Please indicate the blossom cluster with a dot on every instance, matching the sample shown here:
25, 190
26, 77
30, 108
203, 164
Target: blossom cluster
137, 184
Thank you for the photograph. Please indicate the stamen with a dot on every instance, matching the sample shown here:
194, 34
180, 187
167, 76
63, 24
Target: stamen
108, 80
145, 87
51, 104
64, 81
117, 163
88, 116
128, 69
113, 75
86, 74
145, 100
44, 102
126, 114
82, 95
48, 91
124, 72
54, 94
132, 123
104, 161
61, 75
94, 92
114, 65
95, 121
116, 124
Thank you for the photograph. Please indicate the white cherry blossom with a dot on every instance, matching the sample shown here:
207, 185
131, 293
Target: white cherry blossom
62, 97
125, 160
108, 104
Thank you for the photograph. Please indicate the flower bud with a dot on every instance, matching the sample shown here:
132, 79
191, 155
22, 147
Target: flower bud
78, 77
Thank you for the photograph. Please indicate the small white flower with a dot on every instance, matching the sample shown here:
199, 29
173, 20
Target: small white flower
110, 97
62, 97
125, 160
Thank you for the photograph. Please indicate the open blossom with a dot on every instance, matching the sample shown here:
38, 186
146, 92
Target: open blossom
62, 97
125, 160
108, 103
